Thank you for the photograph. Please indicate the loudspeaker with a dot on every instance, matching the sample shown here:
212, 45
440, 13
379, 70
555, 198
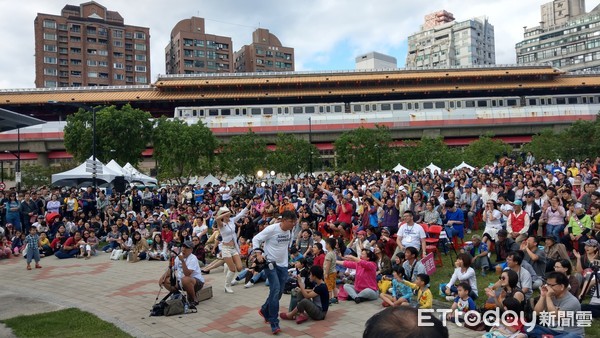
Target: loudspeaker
119, 184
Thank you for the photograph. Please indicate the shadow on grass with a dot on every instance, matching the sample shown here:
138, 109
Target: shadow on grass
64, 323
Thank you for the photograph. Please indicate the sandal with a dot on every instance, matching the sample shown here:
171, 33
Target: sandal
284, 315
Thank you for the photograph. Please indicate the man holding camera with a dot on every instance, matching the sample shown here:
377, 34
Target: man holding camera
187, 274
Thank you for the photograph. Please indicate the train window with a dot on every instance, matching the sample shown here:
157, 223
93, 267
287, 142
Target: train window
225, 112
194, 113
237, 111
501, 103
286, 110
279, 111
427, 105
592, 99
511, 102
584, 100
386, 106
397, 106
416, 105
309, 109
532, 102
494, 103
298, 110
244, 112
409, 106
328, 109
469, 104
374, 107
357, 108
560, 100
458, 104
337, 109
572, 100
367, 107
451, 104
213, 112
440, 105
321, 109
267, 111
482, 103
255, 111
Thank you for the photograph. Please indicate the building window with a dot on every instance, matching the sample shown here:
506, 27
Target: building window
75, 62
92, 74
118, 43
102, 64
76, 29
75, 73
140, 68
118, 65
50, 36
50, 71
199, 64
50, 60
103, 52
119, 77
118, 34
48, 83
199, 43
118, 55
141, 79
92, 63
199, 53
49, 48
49, 24
140, 46
140, 35
140, 57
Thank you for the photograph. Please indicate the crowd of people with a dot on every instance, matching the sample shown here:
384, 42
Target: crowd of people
366, 231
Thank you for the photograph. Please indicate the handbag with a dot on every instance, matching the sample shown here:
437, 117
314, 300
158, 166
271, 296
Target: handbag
174, 307
116, 254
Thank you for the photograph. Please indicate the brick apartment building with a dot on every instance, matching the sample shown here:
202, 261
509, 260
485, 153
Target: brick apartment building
264, 54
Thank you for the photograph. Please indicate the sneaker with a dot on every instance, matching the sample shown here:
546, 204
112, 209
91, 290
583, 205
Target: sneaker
468, 231
262, 315
249, 285
483, 273
275, 329
357, 300
450, 298
205, 272
302, 318
333, 301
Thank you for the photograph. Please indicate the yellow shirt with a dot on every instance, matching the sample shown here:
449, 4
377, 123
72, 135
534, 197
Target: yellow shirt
424, 295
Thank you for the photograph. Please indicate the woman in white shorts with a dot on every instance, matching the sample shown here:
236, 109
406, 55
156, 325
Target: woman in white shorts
230, 251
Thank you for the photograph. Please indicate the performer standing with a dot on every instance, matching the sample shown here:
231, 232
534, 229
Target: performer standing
277, 240
230, 251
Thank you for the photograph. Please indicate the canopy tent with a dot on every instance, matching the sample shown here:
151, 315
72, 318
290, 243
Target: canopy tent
433, 168
462, 166
238, 179
136, 176
82, 174
209, 179
400, 167
117, 168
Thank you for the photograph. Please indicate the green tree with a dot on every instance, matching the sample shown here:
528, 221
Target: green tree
580, 140
244, 155
183, 150
485, 150
35, 175
292, 155
363, 148
115, 128
419, 154
545, 145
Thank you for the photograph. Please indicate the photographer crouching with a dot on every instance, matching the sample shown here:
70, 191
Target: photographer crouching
185, 274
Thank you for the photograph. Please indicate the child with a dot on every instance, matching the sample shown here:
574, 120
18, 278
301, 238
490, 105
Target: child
424, 296
462, 303
401, 293
244, 248
505, 329
33, 248
45, 249
17, 244
4, 248
92, 244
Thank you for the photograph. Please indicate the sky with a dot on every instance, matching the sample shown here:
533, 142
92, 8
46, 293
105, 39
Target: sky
326, 34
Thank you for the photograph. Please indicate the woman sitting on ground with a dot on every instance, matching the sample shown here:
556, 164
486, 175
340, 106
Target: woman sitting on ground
508, 282
158, 249
365, 281
140, 248
492, 218
315, 302
384, 264
575, 279
462, 273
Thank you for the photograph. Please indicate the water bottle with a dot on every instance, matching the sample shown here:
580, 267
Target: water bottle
186, 307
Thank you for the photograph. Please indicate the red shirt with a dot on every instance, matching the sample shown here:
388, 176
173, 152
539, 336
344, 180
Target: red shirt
167, 236
345, 217
319, 260
517, 222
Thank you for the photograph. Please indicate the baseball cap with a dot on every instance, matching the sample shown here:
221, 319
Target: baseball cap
518, 202
188, 244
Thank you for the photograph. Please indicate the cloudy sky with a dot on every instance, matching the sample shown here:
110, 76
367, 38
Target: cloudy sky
326, 34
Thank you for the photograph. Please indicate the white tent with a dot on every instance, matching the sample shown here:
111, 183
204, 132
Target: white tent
117, 168
137, 176
433, 168
400, 167
209, 179
239, 179
83, 173
462, 166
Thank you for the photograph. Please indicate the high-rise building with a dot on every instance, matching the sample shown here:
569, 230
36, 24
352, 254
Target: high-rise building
191, 50
443, 42
88, 45
264, 54
374, 60
567, 37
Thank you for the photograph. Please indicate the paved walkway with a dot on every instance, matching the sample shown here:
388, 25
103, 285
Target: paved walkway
123, 293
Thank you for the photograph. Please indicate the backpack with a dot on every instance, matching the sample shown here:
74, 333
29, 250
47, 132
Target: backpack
174, 307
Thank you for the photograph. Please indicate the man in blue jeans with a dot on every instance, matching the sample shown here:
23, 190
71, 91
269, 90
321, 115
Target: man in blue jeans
276, 239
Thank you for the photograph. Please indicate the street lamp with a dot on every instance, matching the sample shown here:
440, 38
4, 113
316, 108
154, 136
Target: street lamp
310, 164
378, 156
18, 156
93, 110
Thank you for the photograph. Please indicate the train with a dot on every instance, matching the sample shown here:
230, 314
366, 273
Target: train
398, 113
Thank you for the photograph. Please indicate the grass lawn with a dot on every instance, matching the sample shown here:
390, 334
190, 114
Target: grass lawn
64, 323
443, 274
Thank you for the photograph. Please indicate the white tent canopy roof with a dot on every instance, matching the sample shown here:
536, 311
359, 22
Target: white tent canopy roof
137, 176
209, 179
463, 165
400, 167
79, 175
432, 167
113, 165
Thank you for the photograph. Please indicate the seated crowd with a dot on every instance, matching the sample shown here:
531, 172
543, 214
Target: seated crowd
366, 233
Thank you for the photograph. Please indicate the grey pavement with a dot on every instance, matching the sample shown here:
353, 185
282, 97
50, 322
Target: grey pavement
123, 293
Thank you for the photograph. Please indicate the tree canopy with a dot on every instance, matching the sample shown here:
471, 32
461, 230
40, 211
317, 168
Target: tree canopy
293, 155
244, 155
363, 148
485, 150
114, 129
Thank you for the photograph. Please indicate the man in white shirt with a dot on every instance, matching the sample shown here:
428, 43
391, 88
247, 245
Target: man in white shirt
187, 274
411, 234
277, 240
